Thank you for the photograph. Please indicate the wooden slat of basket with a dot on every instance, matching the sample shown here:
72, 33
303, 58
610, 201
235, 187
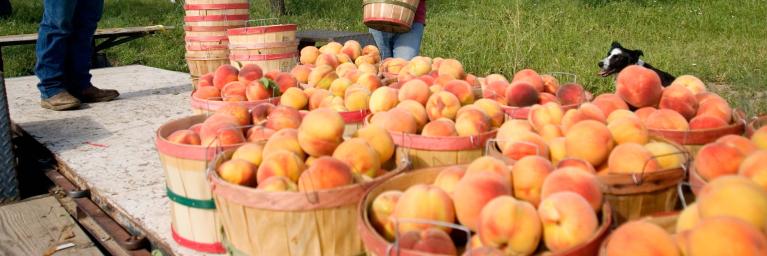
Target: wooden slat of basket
302, 234
428, 158
636, 206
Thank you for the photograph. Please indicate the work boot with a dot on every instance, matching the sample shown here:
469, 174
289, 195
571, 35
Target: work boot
61, 101
93, 94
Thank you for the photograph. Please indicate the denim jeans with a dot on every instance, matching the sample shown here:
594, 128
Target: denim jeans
65, 45
405, 45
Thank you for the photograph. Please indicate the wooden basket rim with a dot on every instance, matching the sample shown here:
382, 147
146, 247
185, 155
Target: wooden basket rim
756, 123
183, 151
212, 105
634, 183
227, 6
261, 29
704, 136
450, 143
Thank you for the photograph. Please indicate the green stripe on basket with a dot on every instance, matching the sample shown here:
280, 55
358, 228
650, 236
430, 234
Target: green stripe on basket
394, 2
194, 203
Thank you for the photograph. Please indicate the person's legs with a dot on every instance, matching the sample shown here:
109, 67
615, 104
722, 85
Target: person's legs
52, 46
384, 42
408, 45
5, 8
87, 15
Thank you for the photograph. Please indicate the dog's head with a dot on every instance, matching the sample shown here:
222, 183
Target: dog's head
617, 59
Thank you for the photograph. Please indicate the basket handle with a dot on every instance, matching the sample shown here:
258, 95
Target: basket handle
640, 179
573, 76
395, 245
263, 22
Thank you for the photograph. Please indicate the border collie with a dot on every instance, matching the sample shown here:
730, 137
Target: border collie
619, 58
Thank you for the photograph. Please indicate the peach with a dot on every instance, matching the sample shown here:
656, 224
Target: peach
393, 65
488, 164
259, 133
472, 122
316, 98
238, 172
592, 112
630, 158
188, 137
636, 238
574, 180
353, 75
462, 90
221, 130
452, 68
724, 236
414, 90
667, 155
734, 196
429, 80
301, 73
572, 117
256, 91
759, 138
365, 59
325, 173
426, 202
666, 119
322, 76
493, 110
716, 106
285, 139
576, 163
284, 81
359, 156
568, 220
639, 86
320, 132
717, 159
357, 100
509, 129
628, 130
571, 94
309, 55
352, 48
250, 72
688, 218
521, 94
528, 175
541, 115
679, 99
495, 77
754, 167
251, 152
370, 50
442, 104
280, 163
692, 83
379, 139
550, 83
442, 127
261, 112
473, 192
207, 93
328, 59
223, 75
271, 75
523, 143
531, 77
294, 98
382, 209
510, 225
277, 184
644, 113
396, 120
609, 102
483, 251
208, 78
283, 117
448, 178
546, 97
383, 99
418, 66
557, 150
472, 80
331, 48
343, 58
496, 90
743, 144
416, 109
706, 121
550, 132
432, 241
233, 90
621, 113
475, 242
589, 140
370, 81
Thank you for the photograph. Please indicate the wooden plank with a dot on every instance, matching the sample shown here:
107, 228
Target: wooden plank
100, 33
34, 226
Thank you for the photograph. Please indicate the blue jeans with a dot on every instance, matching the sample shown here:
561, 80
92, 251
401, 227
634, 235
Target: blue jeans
65, 45
406, 45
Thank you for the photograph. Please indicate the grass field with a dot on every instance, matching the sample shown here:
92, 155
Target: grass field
722, 42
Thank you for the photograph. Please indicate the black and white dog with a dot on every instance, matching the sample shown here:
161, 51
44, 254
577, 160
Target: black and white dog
619, 58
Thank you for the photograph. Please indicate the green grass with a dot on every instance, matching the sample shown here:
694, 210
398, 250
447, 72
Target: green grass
722, 42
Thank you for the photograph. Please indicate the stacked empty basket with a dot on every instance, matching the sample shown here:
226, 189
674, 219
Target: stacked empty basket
272, 47
206, 22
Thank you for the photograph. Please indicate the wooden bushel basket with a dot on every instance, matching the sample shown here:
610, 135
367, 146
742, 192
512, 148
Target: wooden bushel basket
693, 140
755, 124
201, 106
641, 194
424, 151
194, 221
377, 245
354, 120
395, 16
290, 223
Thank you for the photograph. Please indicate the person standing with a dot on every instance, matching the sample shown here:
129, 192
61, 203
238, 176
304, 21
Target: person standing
403, 45
5, 8
64, 50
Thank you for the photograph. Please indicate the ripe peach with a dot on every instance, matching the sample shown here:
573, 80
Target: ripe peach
442, 127
492, 109
238, 172
755, 167
396, 120
621, 113
574, 180
284, 81
496, 90
366, 59
688, 218
521, 94
321, 76
644, 113
734, 196
743, 144
724, 236
370, 81
259, 133
261, 112
462, 90
473, 192
320, 132
206, 78
510, 128
381, 211
357, 100
759, 138
188, 137
359, 156
523, 143
309, 55
550, 132
379, 139
639, 86
285, 139
568, 220
331, 48
511, 225
632, 158
220, 130
352, 48
277, 184
414, 90
541, 115
452, 68
629, 130
495, 77
641, 238
666, 119
251, 152
531, 77
418, 66
528, 175
667, 155
316, 98
692, 83
550, 83
706, 121
370, 50
325, 173
557, 150
416, 109
207, 93
448, 178
679, 99
280, 163
432, 241
546, 97
571, 94
592, 112
256, 91
250, 72
716, 106
589, 140
235, 89
301, 73
472, 122
283, 117
442, 104
294, 98
425, 202
343, 58
609, 102
717, 159
272, 74
383, 99
576, 163
483, 251
223, 75
488, 164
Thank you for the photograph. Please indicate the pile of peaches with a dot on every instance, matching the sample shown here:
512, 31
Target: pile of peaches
528, 88
510, 210
734, 155
247, 84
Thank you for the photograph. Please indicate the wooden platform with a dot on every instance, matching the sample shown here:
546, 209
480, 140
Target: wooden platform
109, 147
36, 226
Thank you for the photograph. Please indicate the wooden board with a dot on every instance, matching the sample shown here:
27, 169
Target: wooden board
33, 226
100, 33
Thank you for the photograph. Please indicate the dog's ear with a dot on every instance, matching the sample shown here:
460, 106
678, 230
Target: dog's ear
639, 52
616, 45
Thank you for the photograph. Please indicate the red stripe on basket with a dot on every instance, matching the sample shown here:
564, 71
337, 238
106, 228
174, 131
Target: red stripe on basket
216, 18
216, 6
207, 28
261, 29
197, 246
254, 46
277, 56
183, 151
206, 47
206, 38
